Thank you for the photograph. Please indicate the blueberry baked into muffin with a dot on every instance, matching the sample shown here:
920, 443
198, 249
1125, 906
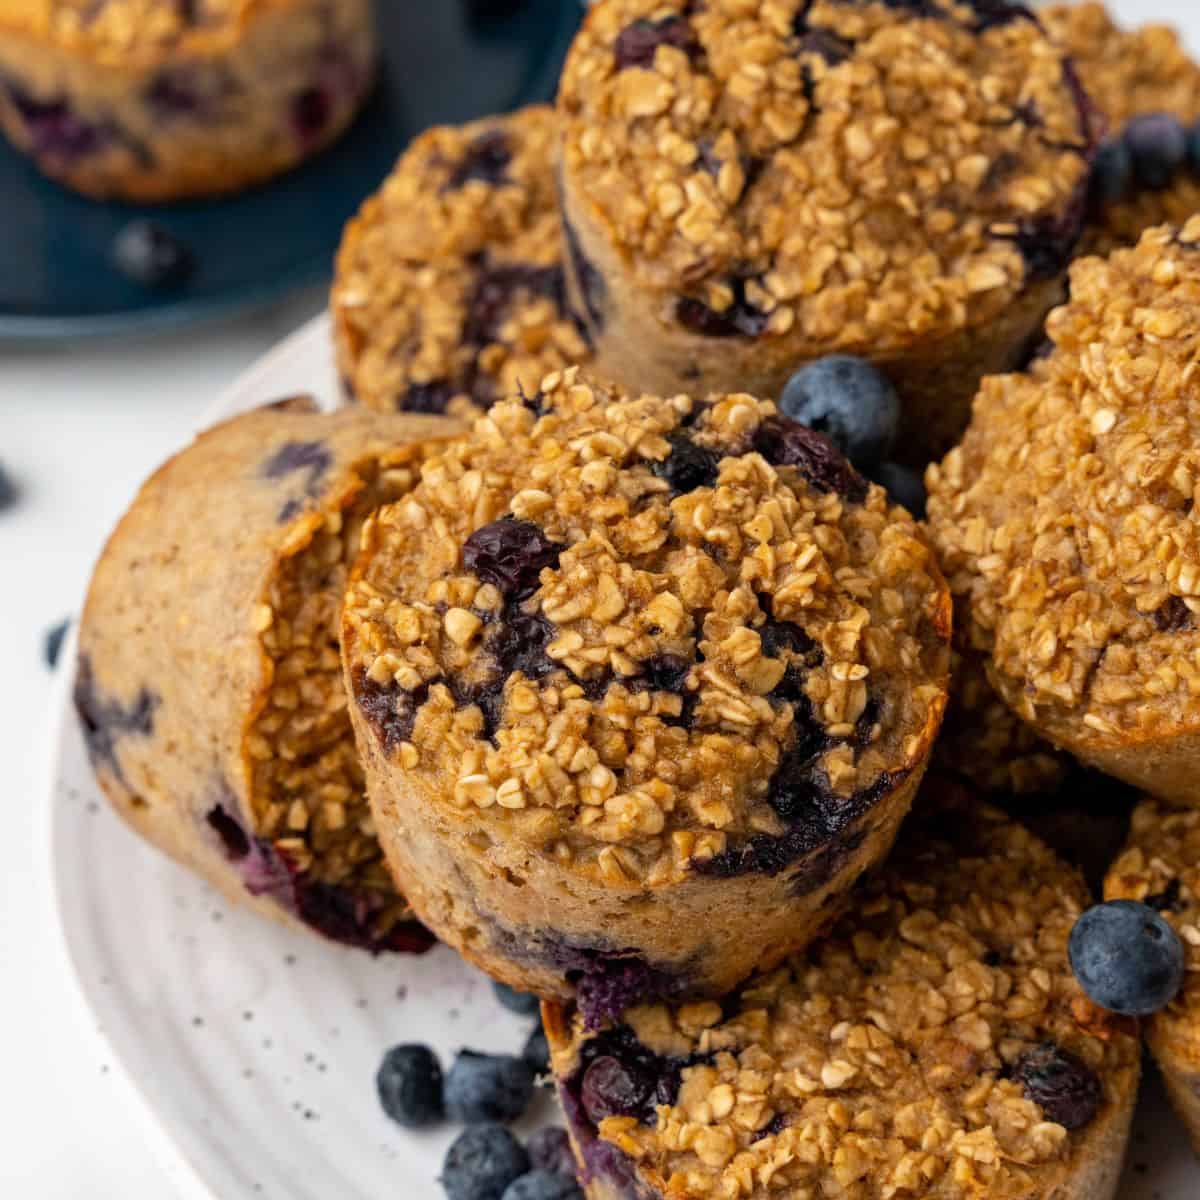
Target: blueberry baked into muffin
1160, 867
1146, 90
209, 687
156, 100
935, 1044
641, 687
1064, 520
449, 290
750, 186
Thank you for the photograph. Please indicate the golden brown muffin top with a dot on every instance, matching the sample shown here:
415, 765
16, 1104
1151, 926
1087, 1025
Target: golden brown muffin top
862, 174
1065, 520
610, 624
449, 291
911, 1052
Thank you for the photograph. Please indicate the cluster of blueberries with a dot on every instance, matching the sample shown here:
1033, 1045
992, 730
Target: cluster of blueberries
1145, 156
485, 1092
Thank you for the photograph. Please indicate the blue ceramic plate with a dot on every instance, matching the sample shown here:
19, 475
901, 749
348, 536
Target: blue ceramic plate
441, 65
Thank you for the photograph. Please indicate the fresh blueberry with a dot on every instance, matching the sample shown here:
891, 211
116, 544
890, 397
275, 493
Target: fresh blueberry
520, 1003
550, 1150
151, 256
543, 1185
850, 402
537, 1052
1112, 173
409, 1082
1158, 145
8, 490
488, 1087
1194, 148
52, 643
1127, 958
904, 486
481, 1164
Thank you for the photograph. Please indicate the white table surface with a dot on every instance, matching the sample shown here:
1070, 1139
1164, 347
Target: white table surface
79, 430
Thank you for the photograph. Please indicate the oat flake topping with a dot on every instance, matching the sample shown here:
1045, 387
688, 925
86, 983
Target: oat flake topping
1065, 520
607, 620
902, 1056
865, 172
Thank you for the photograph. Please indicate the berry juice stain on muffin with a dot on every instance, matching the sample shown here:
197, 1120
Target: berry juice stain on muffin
661, 648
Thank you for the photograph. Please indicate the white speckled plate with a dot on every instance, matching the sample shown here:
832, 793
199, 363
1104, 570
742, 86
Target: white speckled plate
255, 1047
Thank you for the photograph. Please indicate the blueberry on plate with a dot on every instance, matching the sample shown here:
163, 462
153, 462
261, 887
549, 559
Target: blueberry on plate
904, 486
520, 1003
537, 1052
543, 1185
1127, 958
151, 256
1112, 173
8, 490
409, 1082
52, 643
550, 1150
849, 401
1158, 146
488, 1087
481, 1164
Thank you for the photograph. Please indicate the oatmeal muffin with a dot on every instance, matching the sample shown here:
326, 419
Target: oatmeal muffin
1064, 520
154, 100
1129, 75
209, 687
641, 687
449, 289
751, 186
1161, 868
935, 1044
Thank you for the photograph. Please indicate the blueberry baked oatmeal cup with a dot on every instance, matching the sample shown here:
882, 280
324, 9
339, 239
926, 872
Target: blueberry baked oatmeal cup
935, 1044
1146, 91
209, 687
641, 686
156, 100
1064, 521
1160, 867
747, 187
449, 291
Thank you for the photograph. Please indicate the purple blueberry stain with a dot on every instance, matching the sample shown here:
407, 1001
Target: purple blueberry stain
497, 287
785, 443
234, 839
688, 466
390, 710
609, 984
106, 721
510, 554
431, 398
57, 132
826, 45
1064, 1086
313, 459
638, 43
588, 278
1173, 616
740, 319
310, 113
487, 160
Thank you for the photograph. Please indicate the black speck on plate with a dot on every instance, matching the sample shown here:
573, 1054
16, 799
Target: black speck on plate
57, 277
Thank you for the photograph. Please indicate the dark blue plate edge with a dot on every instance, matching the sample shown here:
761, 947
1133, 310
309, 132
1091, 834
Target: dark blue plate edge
174, 316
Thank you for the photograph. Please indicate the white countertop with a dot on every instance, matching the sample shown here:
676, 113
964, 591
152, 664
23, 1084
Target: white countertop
79, 431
